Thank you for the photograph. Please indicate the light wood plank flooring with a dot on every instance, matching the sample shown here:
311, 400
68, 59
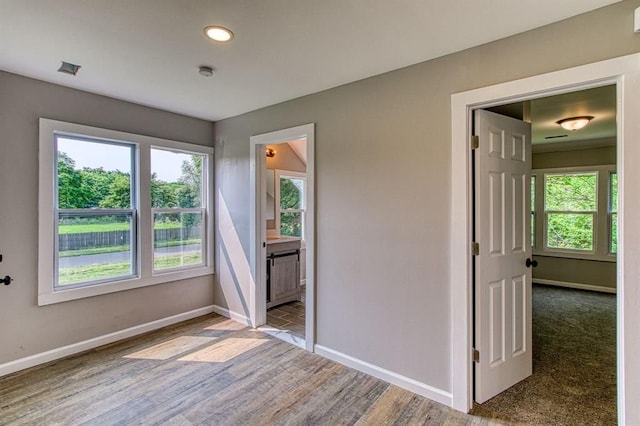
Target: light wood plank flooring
289, 317
210, 371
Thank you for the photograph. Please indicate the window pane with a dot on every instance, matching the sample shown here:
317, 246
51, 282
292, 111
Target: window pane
533, 210
291, 224
614, 233
533, 193
570, 231
178, 239
570, 192
613, 192
93, 174
176, 179
291, 193
94, 248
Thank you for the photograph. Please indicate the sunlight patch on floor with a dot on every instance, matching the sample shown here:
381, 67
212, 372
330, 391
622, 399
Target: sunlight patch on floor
227, 325
171, 348
224, 350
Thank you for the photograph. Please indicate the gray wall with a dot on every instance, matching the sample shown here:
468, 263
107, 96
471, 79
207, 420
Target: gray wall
285, 159
574, 158
25, 328
578, 271
383, 178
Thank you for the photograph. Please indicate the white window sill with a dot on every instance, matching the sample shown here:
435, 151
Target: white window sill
574, 255
65, 295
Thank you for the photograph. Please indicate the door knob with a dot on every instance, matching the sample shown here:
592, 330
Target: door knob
6, 280
531, 263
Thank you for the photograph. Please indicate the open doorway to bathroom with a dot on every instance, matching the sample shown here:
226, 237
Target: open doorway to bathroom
286, 192
282, 231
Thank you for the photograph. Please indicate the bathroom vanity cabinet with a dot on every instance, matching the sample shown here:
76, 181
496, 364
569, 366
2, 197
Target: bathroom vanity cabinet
283, 270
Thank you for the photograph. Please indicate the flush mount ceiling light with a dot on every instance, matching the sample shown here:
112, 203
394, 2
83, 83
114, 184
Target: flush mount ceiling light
217, 33
575, 123
69, 68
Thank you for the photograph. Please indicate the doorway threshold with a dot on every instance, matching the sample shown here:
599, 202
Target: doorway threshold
283, 335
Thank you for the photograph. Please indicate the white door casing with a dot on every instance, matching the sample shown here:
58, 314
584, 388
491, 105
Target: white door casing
503, 231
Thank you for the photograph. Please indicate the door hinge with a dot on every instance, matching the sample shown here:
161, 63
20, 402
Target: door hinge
476, 355
475, 142
475, 249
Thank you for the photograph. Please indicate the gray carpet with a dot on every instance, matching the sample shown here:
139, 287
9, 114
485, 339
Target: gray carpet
574, 363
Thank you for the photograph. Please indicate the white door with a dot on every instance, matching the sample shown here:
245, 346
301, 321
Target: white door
503, 232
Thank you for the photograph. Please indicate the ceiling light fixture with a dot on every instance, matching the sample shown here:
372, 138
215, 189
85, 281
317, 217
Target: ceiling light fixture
575, 123
217, 33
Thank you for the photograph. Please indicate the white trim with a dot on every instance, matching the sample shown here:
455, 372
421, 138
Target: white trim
404, 382
243, 319
85, 345
578, 286
257, 227
46, 204
623, 72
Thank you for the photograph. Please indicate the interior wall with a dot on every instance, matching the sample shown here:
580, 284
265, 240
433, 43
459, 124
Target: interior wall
25, 328
574, 158
383, 203
562, 269
285, 159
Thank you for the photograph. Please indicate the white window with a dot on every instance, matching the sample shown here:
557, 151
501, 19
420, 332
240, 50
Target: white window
177, 201
570, 206
534, 178
290, 207
574, 212
94, 211
119, 211
613, 212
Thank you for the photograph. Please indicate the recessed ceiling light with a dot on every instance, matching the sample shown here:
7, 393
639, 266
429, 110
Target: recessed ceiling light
218, 33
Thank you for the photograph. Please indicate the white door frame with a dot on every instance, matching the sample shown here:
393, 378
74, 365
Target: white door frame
258, 227
624, 72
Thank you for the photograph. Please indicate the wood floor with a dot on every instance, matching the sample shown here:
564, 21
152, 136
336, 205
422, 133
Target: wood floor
210, 371
289, 317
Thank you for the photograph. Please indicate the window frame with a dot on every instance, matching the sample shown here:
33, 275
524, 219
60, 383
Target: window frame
296, 175
611, 212
592, 213
601, 234
48, 293
187, 210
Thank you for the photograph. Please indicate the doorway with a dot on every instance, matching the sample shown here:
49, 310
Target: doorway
285, 260
572, 236
623, 72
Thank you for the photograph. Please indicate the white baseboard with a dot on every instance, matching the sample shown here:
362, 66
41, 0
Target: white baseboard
243, 319
404, 382
574, 285
44, 357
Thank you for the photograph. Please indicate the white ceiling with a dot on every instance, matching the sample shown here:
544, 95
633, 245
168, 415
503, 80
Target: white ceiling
148, 51
600, 103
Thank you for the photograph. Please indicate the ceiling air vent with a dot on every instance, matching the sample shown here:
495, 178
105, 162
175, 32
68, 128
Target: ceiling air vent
69, 68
